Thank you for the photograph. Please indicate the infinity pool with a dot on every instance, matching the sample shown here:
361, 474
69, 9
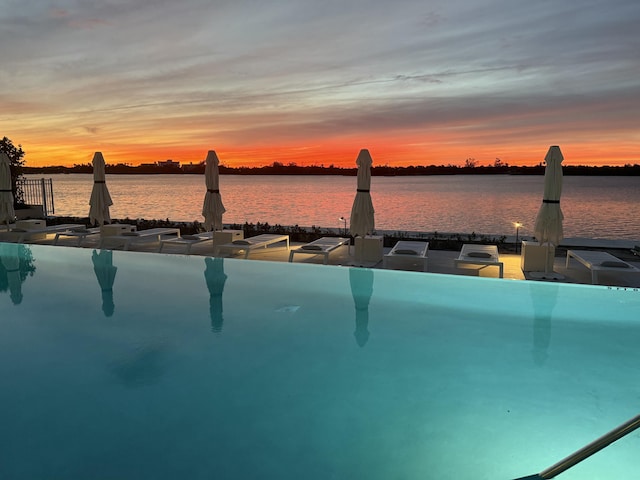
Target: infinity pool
123, 365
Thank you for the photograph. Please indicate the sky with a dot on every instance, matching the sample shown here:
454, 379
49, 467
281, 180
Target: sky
416, 82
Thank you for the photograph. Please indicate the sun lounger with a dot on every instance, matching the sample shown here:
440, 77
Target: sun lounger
486, 255
600, 262
405, 252
20, 235
79, 233
322, 246
126, 239
186, 240
252, 243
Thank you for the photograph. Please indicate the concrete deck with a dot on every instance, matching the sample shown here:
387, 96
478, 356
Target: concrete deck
440, 261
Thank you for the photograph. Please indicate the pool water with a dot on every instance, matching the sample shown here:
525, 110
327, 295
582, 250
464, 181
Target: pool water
135, 365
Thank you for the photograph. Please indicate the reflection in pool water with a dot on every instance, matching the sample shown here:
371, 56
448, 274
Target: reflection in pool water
215, 278
309, 371
361, 281
16, 264
106, 274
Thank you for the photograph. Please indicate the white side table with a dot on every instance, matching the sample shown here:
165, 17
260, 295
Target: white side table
369, 248
29, 225
534, 257
227, 236
116, 229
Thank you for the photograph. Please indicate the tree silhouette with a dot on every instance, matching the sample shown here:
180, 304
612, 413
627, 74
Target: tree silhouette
16, 162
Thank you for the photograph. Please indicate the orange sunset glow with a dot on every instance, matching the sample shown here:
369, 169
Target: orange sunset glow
415, 83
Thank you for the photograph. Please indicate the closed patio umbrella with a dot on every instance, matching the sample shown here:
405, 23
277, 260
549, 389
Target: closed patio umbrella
7, 213
100, 199
362, 213
548, 226
212, 209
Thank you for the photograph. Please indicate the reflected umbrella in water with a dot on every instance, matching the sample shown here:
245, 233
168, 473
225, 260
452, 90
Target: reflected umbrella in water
10, 258
543, 297
106, 274
212, 209
7, 213
215, 278
362, 212
361, 281
100, 200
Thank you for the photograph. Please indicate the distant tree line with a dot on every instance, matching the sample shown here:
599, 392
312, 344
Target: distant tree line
277, 168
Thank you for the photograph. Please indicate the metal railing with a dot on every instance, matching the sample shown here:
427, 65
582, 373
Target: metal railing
38, 192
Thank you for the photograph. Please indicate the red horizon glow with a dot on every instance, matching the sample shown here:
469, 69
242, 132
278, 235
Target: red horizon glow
340, 154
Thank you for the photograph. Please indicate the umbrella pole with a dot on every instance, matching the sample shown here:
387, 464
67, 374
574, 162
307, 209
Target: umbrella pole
358, 254
546, 259
551, 274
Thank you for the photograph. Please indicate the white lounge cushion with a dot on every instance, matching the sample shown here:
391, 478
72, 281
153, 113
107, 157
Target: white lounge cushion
405, 251
479, 254
311, 247
611, 263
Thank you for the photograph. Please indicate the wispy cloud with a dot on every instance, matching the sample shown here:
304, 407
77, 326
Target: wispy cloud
249, 77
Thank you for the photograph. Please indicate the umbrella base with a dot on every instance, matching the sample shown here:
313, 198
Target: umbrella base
362, 264
546, 276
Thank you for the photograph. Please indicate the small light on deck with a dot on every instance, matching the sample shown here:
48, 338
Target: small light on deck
342, 219
518, 225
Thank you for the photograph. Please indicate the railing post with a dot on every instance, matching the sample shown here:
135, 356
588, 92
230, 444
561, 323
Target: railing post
44, 197
53, 207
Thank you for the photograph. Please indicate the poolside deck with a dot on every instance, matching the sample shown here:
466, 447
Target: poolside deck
440, 261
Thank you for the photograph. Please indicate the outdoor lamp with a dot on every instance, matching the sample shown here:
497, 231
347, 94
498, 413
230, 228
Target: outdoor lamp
342, 219
517, 225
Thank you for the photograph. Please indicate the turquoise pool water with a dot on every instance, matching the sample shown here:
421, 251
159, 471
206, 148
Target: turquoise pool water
237, 369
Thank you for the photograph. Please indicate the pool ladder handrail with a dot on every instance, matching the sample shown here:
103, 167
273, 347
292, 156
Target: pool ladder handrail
588, 450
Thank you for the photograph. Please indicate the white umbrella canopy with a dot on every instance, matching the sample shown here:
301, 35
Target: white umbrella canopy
100, 199
362, 212
212, 209
548, 226
7, 213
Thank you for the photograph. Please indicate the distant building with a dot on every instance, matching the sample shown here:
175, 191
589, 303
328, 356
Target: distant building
169, 164
193, 167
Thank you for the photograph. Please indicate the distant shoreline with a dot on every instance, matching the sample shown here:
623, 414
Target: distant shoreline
387, 171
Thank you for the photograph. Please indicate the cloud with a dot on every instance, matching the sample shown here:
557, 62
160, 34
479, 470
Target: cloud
290, 70
91, 130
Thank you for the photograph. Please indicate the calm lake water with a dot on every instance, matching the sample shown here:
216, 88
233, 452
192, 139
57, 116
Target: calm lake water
595, 207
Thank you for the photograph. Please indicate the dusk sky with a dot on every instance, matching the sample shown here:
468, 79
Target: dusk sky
417, 82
